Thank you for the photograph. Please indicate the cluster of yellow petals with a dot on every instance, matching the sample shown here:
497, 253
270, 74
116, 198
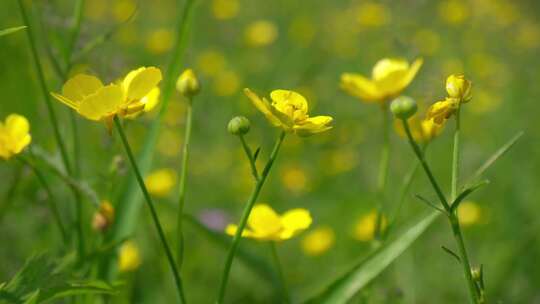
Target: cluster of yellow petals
289, 111
129, 258
364, 229
265, 224
459, 92
136, 93
389, 78
422, 130
14, 135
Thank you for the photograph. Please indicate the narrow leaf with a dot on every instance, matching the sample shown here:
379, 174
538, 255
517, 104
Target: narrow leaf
11, 30
450, 252
342, 289
429, 203
256, 154
470, 189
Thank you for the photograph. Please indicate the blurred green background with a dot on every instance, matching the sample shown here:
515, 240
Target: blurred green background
303, 46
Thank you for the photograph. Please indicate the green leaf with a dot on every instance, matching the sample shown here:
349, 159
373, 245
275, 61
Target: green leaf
342, 289
33, 298
77, 288
470, 189
11, 30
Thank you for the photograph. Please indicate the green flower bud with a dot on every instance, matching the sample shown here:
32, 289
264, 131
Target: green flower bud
239, 125
188, 84
403, 107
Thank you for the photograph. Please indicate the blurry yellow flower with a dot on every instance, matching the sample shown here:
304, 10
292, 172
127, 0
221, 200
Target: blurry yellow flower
389, 78
265, 224
458, 87
453, 11
210, 62
469, 213
294, 179
225, 9
440, 111
485, 101
302, 31
226, 83
159, 41
318, 241
364, 229
341, 160
161, 182
122, 9
91, 99
427, 41
96, 9
103, 217
422, 130
129, 258
169, 142
188, 83
14, 135
528, 36
372, 14
289, 111
261, 33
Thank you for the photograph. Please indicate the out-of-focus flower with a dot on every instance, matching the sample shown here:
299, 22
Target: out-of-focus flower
458, 87
214, 219
225, 9
211, 62
188, 84
302, 31
226, 83
440, 111
289, 111
453, 11
159, 41
364, 230
169, 142
161, 182
341, 160
485, 101
14, 135
95, 10
469, 213
372, 14
91, 99
422, 130
528, 36
265, 224
103, 217
129, 258
318, 241
261, 33
389, 78
294, 179
427, 41
122, 9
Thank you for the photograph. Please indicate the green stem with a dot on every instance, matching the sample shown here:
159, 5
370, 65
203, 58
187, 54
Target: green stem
183, 178
455, 159
75, 29
245, 215
383, 169
275, 256
8, 200
50, 198
250, 157
153, 212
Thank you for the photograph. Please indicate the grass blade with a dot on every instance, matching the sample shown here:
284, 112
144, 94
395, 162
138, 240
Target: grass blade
342, 289
11, 30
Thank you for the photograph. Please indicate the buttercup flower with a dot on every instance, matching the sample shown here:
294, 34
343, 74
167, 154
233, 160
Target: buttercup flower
318, 241
440, 111
469, 213
90, 98
161, 182
458, 87
265, 224
14, 135
422, 130
364, 229
289, 111
104, 216
389, 78
129, 258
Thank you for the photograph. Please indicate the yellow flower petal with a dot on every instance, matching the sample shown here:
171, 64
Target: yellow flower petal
263, 106
232, 228
387, 67
294, 221
318, 241
263, 221
138, 83
129, 258
360, 87
80, 86
289, 102
102, 103
15, 135
161, 182
442, 110
313, 125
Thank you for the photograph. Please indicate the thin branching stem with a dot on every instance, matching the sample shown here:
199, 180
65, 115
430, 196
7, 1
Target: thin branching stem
250, 157
275, 257
245, 215
153, 213
383, 169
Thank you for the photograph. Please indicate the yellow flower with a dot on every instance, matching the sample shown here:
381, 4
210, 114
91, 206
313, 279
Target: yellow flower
364, 229
289, 111
294, 179
14, 135
318, 241
91, 99
458, 87
129, 258
469, 213
265, 224
159, 41
453, 11
440, 111
104, 216
422, 131
261, 33
225, 9
389, 78
373, 14
161, 182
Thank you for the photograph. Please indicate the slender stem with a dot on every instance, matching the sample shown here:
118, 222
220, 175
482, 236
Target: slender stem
420, 156
249, 154
455, 159
245, 215
8, 201
50, 197
383, 169
275, 256
183, 178
75, 29
153, 212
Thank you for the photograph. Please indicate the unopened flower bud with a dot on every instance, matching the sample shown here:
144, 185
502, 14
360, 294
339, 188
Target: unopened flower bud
104, 216
476, 273
188, 84
458, 87
403, 107
239, 125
